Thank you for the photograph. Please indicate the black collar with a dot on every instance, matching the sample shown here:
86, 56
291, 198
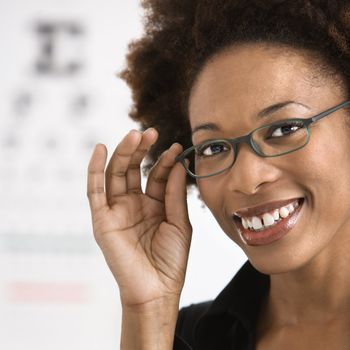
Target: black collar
234, 313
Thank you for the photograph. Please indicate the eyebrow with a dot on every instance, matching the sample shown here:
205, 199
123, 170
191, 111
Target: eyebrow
266, 112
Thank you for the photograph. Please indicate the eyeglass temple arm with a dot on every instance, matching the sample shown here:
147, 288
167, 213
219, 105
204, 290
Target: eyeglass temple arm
329, 111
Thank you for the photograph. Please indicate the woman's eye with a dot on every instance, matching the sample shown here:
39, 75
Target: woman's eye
285, 129
212, 149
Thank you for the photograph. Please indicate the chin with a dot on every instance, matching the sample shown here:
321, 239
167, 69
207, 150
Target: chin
276, 265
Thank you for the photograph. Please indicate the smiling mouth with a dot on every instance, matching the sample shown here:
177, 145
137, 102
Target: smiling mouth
261, 235
268, 218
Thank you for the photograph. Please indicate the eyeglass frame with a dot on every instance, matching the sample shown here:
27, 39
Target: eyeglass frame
249, 140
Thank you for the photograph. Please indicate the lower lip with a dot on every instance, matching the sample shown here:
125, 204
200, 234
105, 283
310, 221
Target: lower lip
271, 234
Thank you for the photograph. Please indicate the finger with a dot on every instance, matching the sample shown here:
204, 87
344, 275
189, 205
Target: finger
158, 176
133, 176
116, 184
176, 198
95, 179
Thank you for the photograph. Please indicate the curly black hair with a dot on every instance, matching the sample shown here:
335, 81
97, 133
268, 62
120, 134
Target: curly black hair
181, 35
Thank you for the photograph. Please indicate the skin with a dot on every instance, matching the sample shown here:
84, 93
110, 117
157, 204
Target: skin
309, 299
145, 233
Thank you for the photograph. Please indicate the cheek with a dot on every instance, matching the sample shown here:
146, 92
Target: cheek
322, 170
324, 162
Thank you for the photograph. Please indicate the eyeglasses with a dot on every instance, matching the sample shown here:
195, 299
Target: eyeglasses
213, 157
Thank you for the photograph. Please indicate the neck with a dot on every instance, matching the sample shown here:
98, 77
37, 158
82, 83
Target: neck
317, 292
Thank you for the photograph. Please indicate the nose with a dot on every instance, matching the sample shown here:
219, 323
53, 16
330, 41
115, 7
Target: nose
250, 171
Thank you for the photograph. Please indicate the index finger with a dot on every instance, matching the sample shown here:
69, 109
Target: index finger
95, 179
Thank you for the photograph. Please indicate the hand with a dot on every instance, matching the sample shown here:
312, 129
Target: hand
145, 237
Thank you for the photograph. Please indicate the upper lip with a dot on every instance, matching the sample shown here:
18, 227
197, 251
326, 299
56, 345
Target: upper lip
264, 208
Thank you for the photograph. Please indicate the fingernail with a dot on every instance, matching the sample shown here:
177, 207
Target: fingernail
135, 132
151, 129
174, 145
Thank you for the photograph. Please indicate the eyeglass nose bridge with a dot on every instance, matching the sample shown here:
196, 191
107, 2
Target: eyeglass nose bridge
248, 139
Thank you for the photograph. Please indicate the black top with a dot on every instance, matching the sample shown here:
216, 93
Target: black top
229, 321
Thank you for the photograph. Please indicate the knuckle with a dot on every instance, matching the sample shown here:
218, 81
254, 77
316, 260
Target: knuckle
94, 172
134, 166
160, 180
118, 173
115, 196
120, 154
141, 151
96, 190
134, 190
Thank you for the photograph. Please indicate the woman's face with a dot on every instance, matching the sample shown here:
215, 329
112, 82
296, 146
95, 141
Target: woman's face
229, 92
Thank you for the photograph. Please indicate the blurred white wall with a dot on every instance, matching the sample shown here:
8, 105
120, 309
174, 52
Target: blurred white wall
59, 97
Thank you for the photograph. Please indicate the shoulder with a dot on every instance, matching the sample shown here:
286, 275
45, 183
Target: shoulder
188, 318
189, 315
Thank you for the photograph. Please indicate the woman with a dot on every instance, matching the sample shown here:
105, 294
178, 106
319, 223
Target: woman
251, 100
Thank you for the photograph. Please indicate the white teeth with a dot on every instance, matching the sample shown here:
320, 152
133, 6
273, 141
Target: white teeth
256, 223
250, 224
244, 223
284, 212
268, 219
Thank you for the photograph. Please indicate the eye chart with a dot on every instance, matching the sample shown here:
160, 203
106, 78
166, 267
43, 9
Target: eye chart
59, 97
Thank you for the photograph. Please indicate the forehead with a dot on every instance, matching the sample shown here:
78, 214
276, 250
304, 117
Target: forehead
247, 78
